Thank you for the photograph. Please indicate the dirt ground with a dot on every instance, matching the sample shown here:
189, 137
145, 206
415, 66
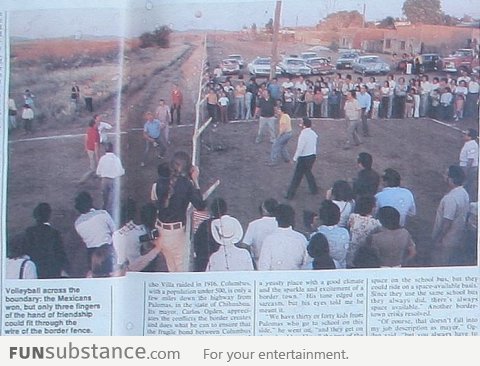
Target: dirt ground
48, 169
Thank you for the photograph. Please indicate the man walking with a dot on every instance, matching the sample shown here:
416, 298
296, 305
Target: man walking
365, 101
177, 101
162, 113
305, 156
352, 110
151, 134
110, 169
92, 147
266, 111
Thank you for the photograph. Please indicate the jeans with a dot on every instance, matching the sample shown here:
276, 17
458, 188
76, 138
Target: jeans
364, 123
423, 104
279, 147
266, 124
303, 168
110, 190
162, 148
390, 106
239, 107
176, 108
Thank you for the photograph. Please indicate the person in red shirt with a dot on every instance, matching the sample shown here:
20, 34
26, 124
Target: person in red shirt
92, 143
177, 100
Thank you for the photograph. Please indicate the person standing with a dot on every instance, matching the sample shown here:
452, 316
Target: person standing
110, 169
266, 111
353, 112
27, 117
88, 93
174, 193
102, 128
365, 101
162, 113
285, 248
152, 134
177, 101
395, 196
279, 147
469, 162
240, 91
367, 181
12, 114
92, 143
305, 156
43, 244
95, 227
259, 229
74, 97
450, 220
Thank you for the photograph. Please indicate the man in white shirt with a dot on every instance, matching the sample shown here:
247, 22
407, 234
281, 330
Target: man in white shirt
259, 229
469, 162
395, 196
471, 104
449, 227
285, 248
305, 156
110, 169
95, 227
353, 111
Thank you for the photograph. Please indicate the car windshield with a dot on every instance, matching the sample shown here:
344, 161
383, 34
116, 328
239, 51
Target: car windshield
368, 60
237, 57
295, 63
263, 61
348, 55
317, 61
462, 53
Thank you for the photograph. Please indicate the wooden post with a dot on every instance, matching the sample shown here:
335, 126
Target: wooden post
276, 27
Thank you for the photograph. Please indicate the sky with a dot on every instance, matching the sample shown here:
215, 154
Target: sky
67, 18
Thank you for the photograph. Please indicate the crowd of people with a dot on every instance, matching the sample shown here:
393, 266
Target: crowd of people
446, 98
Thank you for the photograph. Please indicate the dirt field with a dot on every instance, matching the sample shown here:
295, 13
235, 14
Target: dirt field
46, 170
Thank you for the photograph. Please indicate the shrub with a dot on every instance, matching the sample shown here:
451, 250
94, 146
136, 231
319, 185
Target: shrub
159, 37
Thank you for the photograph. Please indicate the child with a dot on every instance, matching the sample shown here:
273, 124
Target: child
27, 117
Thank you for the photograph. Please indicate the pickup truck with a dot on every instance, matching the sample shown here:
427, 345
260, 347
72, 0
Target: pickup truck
462, 59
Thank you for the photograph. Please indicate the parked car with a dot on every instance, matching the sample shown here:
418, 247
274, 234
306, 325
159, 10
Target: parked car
429, 62
230, 66
294, 66
370, 64
237, 57
320, 66
260, 66
345, 60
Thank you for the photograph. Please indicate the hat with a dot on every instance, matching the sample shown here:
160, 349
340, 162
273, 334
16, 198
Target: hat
473, 133
227, 230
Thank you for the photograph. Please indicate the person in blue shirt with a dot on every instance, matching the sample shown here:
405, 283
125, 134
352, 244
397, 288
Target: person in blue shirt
151, 134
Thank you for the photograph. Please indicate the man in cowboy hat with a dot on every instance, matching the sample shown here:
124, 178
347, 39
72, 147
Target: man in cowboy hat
227, 231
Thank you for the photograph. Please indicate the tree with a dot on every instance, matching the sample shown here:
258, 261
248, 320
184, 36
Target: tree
269, 26
423, 11
159, 37
388, 23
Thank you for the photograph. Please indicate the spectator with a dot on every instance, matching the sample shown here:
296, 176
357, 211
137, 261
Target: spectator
393, 244
469, 162
227, 232
173, 197
353, 110
95, 227
88, 93
450, 221
74, 98
367, 180
338, 237
318, 249
259, 229
162, 113
12, 114
393, 195
285, 248
361, 224
239, 92
43, 244
29, 98
342, 195
266, 111
110, 169
18, 264
204, 244
129, 240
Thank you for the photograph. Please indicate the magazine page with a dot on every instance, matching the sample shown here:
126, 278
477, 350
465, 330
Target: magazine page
146, 142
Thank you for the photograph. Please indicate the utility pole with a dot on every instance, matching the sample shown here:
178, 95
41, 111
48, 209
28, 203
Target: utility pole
363, 15
276, 27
